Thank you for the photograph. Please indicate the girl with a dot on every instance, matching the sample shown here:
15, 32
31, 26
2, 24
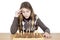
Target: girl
25, 19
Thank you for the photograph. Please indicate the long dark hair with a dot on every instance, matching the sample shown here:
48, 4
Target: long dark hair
28, 6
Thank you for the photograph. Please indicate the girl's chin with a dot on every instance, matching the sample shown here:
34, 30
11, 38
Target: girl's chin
26, 17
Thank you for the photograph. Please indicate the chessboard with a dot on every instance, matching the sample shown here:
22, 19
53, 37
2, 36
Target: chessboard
28, 36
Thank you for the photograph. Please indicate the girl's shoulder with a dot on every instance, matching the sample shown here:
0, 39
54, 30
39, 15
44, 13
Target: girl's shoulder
36, 17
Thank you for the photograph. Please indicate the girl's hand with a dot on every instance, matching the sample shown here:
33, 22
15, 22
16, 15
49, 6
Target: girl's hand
46, 35
18, 12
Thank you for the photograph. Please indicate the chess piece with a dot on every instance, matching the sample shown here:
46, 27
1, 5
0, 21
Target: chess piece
23, 29
36, 34
29, 30
26, 34
21, 33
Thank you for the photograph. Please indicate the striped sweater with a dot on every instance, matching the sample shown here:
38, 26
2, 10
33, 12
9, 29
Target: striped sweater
26, 25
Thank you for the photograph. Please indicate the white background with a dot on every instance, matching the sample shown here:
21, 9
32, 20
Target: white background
47, 10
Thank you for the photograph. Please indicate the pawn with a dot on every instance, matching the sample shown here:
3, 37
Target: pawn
34, 35
21, 33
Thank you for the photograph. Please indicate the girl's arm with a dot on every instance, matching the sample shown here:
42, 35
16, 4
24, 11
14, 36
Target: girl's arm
43, 27
14, 26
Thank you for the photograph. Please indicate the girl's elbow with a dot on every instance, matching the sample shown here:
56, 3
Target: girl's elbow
13, 32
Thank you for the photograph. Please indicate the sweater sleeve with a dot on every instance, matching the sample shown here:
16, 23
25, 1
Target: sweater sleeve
42, 26
14, 26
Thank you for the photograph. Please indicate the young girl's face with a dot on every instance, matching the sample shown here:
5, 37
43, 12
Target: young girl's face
26, 12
